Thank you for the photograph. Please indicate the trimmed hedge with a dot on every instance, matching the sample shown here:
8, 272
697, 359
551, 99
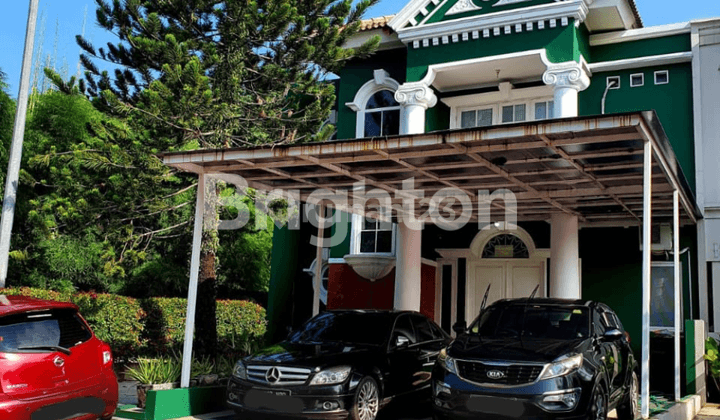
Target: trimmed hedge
156, 326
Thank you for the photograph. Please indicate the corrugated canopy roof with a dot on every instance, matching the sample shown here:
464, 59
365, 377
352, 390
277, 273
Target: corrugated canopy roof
588, 166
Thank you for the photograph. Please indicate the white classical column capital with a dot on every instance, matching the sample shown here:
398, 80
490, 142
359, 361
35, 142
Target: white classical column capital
416, 94
570, 75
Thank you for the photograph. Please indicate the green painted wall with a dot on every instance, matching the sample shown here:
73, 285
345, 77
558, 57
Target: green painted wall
487, 8
437, 117
612, 273
560, 42
642, 48
673, 103
358, 72
582, 43
283, 267
343, 249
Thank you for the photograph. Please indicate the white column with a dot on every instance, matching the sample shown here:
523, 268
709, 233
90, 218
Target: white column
408, 268
564, 257
192, 287
678, 292
317, 279
646, 273
415, 98
568, 79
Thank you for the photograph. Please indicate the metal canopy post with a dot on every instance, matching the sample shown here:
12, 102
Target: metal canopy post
192, 287
317, 278
646, 273
678, 293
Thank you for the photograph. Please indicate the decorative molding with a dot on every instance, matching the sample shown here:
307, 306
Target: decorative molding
429, 262
416, 93
463, 6
434, 69
567, 75
506, 2
569, 9
640, 34
371, 266
636, 63
336, 261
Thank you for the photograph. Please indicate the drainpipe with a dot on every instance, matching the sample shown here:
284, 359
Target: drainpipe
607, 89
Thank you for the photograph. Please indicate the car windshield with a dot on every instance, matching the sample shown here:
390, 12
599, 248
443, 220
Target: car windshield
42, 331
344, 327
538, 321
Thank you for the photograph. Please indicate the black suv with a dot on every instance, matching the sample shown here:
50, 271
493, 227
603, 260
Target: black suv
538, 359
339, 364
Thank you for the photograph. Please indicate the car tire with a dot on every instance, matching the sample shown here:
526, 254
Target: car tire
629, 409
367, 400
598, 409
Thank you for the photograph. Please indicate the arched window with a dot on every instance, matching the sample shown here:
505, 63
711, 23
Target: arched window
382, 115
505, 246
378, 114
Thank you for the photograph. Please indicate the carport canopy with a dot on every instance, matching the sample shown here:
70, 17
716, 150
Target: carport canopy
590, 167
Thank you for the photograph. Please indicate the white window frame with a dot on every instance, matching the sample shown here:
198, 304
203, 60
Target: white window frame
642, 80
381, 81
667, 77
611, 78
355, 231
382, 116
506, 96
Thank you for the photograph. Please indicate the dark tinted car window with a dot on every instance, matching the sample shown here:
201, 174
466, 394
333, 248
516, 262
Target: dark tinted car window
345, 327
422, 329
404, 328
541, 321
61, 328
598, 323
438, 333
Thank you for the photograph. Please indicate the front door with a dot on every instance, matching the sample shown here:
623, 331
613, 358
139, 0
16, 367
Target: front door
509, 278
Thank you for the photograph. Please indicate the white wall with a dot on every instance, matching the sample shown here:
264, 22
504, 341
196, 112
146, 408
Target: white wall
706, 92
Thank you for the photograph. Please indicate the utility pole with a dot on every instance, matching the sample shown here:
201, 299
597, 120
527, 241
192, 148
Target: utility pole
13, 172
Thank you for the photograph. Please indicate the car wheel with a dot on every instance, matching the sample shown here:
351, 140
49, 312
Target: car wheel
367, 400
598, 407
629, 409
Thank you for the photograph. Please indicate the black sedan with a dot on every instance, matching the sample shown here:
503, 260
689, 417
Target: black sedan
538, 359
339, 364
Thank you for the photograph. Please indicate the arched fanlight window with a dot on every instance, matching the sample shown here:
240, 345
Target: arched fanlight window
382, 115
505, 246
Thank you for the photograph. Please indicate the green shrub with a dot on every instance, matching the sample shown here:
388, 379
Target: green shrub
241, 326
116, 320
156, 326
712, 355
156, 371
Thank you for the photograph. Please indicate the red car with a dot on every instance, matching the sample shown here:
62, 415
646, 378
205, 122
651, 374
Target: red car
51, 364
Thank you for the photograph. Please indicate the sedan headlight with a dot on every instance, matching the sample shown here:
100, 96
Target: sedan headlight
447, 362
562, 366
239, 371
331, 376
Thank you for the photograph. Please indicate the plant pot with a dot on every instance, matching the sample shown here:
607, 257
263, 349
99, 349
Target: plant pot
142, 390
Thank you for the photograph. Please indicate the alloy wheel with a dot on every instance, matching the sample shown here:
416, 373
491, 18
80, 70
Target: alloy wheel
368, 401
634, 396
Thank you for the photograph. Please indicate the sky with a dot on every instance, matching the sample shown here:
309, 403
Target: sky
59, 21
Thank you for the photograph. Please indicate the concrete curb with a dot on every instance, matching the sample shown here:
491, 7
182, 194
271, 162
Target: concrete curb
686, 409
209, 416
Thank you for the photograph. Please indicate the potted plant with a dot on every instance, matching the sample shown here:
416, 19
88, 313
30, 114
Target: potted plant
712, 355
155, 374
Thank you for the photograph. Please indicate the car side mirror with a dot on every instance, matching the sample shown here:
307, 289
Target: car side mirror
460, 327
612, 335
401, 342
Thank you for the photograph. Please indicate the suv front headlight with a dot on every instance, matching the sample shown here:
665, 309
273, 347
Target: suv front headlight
447, 362
239, 371
331, 376
562, 366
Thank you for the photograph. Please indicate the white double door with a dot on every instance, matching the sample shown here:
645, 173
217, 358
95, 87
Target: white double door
508, 278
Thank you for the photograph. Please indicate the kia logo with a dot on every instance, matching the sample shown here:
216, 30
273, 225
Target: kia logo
59, 362
273, 375
495, 374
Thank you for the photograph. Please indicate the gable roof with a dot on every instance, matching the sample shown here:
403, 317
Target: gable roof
413, 7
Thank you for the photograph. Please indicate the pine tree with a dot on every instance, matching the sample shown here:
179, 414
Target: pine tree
210, 73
